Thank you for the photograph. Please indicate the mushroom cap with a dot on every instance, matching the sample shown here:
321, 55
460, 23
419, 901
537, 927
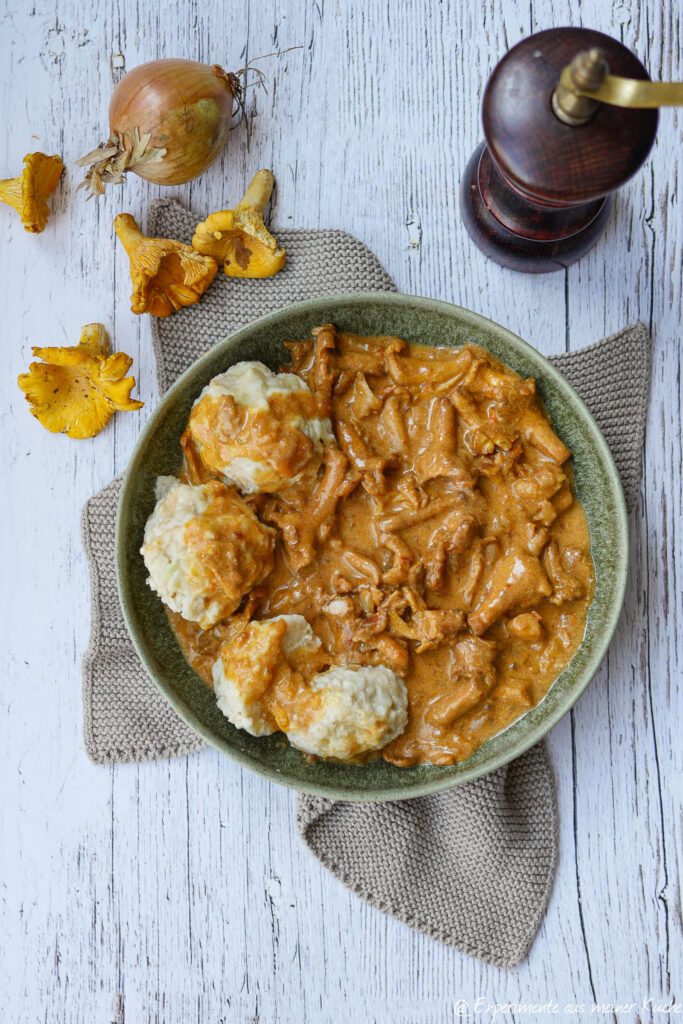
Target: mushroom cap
28, 192
77, 389
166, 274
238, 238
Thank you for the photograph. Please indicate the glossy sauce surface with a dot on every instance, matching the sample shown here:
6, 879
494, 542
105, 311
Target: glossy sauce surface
441, 537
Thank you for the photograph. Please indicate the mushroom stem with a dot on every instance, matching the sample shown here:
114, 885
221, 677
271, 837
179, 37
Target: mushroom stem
127, 230
94, 340
259, 192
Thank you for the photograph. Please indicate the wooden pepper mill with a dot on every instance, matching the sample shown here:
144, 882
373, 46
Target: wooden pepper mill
566, 122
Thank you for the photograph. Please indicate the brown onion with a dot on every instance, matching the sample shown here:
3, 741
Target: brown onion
169, 120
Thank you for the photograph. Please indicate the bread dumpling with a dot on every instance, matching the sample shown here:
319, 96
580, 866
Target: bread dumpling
342, 713
204, 549
259, 430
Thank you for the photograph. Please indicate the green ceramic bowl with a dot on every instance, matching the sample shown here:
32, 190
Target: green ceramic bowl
418, 320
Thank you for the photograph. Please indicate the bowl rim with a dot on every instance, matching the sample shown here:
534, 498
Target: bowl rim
599, 648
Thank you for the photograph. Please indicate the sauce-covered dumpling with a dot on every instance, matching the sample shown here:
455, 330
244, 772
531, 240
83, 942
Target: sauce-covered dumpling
353, 711
268, 678
257, 675
204, 549
257, 429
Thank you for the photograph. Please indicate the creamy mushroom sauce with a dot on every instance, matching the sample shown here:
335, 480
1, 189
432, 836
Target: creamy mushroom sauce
441, 537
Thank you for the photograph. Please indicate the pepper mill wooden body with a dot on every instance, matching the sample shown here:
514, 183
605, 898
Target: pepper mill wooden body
536, 194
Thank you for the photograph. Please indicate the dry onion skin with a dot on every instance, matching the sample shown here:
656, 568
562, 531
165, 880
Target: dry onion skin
77, 389
169, 120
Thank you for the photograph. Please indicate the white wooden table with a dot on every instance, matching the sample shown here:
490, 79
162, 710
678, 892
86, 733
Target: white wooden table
179, 891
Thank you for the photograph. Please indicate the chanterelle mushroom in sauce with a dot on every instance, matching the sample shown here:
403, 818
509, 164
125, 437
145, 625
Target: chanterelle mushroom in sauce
441, 539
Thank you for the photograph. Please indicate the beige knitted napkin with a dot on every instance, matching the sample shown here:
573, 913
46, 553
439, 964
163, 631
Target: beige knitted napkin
472, 867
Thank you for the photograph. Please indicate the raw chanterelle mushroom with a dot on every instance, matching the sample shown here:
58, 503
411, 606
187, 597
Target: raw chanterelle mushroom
77, 389
166, 274
238, 238
27, 193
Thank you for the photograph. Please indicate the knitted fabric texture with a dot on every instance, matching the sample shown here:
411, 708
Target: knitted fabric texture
472, 867
319, 263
